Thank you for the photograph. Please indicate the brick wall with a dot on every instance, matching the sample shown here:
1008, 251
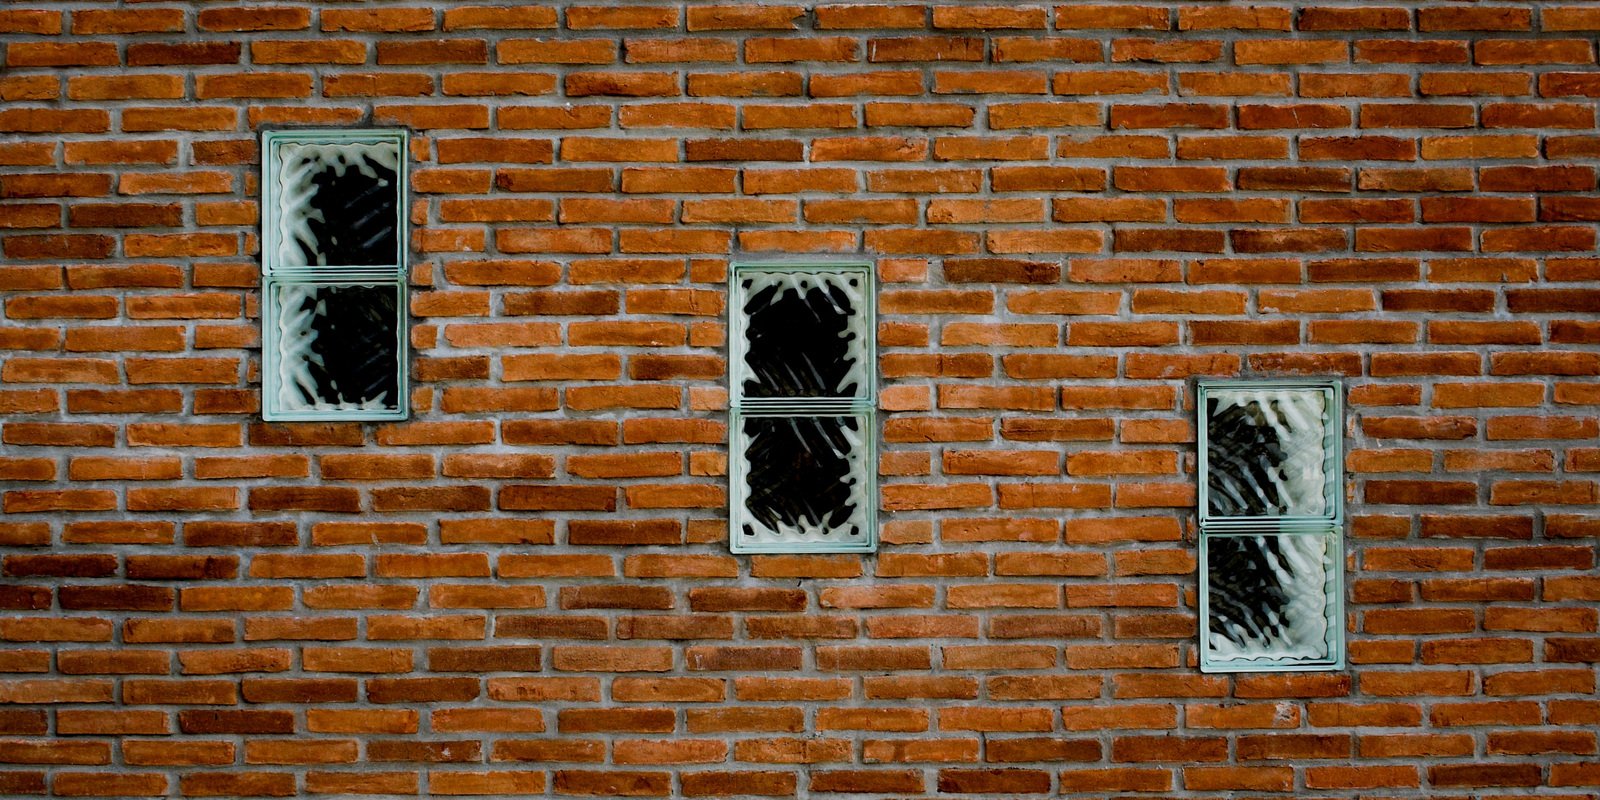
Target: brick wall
526, 589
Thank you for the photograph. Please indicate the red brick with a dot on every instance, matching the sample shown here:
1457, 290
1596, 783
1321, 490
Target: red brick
549, 445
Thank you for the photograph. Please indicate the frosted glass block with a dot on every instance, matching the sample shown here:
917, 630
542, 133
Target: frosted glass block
803, 482
804, 334
802, 388
336, 347
338, 204
1272, 598
1268, 452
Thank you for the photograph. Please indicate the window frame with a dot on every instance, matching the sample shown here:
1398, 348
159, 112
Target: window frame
863, 407
275, 275
1330, 524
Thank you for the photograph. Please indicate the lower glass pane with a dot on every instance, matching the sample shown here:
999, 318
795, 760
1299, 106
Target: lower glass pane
803, 483
337, 348
1272, 599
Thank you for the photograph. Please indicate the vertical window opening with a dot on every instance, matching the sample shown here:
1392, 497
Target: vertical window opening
1271, 526
333, 235
802, 390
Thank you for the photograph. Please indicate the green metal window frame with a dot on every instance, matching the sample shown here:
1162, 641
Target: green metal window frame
275, 274
863, 407
1330, 524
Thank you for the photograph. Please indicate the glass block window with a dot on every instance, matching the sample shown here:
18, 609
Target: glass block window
333, 267
1271, 526
803, 397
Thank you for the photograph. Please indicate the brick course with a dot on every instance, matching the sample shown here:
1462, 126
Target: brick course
525, 589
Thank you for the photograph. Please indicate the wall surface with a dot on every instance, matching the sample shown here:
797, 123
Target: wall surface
526, 589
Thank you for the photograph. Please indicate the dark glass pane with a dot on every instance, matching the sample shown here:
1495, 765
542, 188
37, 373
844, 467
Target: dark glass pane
339, 204
804, 477
1268, 596
804, 334
1266, 452
338, 347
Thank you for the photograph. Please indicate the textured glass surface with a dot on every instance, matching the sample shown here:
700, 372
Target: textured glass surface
1267, 452
804, 334
337, 204
1268, 597
337, 347
802, 477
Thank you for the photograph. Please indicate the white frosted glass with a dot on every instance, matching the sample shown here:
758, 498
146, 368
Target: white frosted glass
804, 479
337, 347
1267, 452
804, 334
337, 204
1268, 596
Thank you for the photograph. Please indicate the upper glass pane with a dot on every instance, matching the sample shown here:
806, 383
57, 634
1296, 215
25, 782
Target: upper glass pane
803, 333
335, 201
1270, 452
1271, 599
